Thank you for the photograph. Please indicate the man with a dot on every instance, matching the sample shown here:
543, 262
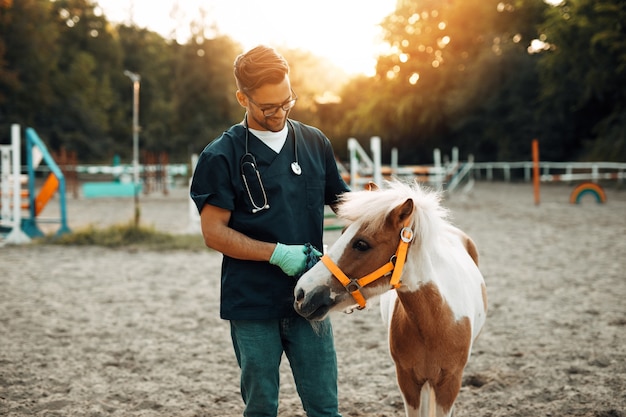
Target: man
260, 189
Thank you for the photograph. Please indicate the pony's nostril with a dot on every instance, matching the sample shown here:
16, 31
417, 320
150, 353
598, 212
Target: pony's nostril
299, 294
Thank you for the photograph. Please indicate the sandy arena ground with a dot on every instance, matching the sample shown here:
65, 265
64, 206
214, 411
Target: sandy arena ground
88, 331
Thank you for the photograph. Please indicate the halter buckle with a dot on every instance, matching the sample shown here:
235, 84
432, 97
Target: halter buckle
353, 286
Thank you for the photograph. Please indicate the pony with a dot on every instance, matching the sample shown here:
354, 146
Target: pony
400, 246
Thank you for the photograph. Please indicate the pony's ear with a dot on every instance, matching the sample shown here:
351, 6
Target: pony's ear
398, 215
371, 186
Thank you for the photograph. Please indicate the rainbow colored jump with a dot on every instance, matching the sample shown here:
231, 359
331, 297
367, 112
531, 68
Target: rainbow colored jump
587, 188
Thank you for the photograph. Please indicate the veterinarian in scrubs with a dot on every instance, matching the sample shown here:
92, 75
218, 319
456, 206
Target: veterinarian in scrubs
261, 188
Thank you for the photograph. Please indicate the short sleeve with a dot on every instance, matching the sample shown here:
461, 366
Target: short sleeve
335, 185
211, 182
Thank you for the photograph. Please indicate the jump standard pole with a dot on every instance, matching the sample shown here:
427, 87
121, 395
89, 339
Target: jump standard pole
136, 79
536, 179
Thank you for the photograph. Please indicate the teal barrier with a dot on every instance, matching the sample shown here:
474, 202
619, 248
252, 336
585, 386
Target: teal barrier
109, 189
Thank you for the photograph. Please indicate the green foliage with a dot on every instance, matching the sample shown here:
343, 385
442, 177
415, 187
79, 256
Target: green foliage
584, 78
145, 53
127, 236
458, 74
448, 80
203, 92
28, 55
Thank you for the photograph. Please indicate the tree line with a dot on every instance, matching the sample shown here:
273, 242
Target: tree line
486, 76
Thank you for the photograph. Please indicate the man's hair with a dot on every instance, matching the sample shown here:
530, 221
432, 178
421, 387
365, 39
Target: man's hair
259, 66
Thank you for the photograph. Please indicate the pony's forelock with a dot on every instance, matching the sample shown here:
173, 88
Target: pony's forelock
372, 207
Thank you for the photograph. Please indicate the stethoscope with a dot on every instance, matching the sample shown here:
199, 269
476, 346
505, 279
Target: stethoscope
248, 166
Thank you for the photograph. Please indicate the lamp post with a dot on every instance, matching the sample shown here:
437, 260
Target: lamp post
135, 78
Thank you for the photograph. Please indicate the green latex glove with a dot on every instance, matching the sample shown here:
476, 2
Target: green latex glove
290, 258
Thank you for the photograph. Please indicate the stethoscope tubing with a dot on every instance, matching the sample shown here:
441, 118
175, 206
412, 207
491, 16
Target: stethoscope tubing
248, 158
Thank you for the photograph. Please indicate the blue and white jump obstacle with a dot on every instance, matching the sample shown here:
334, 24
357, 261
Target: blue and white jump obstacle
11, 190
22, 228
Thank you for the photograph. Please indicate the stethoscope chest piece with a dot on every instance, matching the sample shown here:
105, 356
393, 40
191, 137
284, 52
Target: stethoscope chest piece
295, 167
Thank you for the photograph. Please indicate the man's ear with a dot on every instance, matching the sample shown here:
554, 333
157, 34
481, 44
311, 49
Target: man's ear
242, 99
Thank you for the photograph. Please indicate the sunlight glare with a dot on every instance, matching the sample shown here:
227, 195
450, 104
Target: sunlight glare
346, 32
537, 45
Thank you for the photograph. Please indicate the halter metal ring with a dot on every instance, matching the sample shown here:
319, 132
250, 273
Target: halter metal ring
406, 234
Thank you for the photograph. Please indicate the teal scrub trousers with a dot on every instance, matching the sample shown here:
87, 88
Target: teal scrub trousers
259, 345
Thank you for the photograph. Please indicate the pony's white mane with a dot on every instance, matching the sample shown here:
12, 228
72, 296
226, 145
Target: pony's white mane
372, 207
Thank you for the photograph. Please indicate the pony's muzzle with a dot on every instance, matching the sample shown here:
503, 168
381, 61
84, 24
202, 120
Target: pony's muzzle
312, 305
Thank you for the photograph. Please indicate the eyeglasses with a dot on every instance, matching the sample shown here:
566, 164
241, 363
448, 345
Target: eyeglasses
270, 110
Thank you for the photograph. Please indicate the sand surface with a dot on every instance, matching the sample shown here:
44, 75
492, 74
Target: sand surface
88, 331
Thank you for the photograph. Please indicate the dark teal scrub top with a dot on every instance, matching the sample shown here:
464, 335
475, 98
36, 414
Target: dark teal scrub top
258, 290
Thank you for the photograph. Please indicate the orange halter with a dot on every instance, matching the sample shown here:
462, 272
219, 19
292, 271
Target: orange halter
395, 264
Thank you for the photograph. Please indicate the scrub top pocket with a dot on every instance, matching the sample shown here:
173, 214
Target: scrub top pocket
314, 194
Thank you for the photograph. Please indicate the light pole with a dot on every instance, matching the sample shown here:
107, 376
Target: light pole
136, 79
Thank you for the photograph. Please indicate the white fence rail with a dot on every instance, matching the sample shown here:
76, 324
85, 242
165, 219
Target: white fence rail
554, 171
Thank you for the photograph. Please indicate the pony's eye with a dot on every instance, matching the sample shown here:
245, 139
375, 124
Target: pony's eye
361, 245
